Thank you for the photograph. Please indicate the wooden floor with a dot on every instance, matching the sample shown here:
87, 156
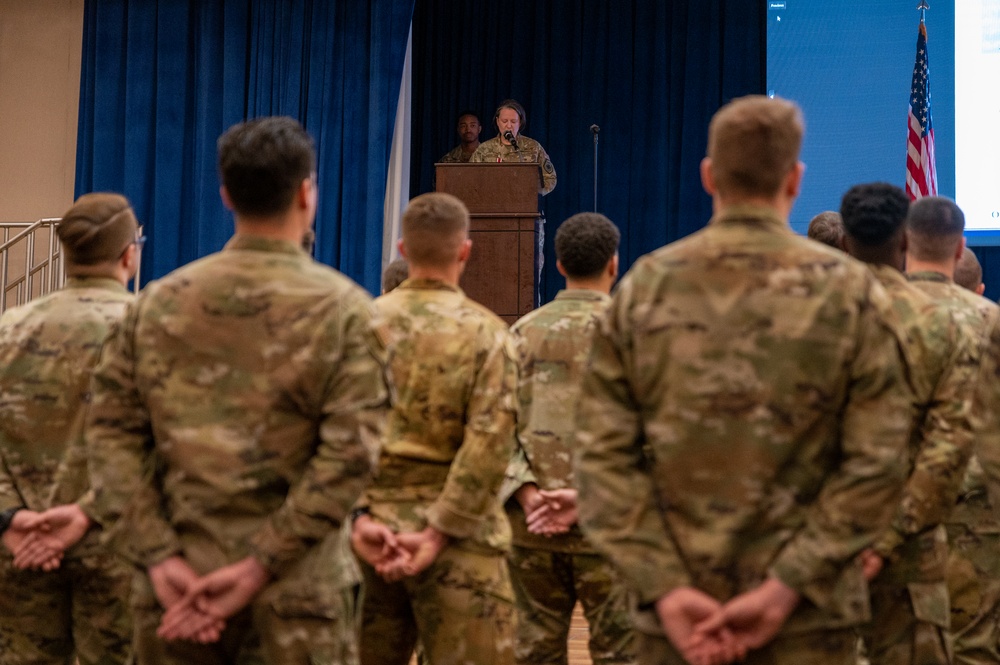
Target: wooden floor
578, 636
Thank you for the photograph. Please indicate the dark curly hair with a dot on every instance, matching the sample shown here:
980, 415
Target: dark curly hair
585, 243
873, 212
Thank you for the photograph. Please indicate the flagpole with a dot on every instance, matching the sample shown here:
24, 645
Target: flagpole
922, 8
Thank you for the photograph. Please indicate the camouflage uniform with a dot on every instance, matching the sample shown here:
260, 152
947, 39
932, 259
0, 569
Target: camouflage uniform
447, 443
973, 570
529, 150
909, 596
745, 414
48, 349
236, 414
455, 155
551, 573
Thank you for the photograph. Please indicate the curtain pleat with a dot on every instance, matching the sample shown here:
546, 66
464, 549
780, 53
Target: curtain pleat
162, 80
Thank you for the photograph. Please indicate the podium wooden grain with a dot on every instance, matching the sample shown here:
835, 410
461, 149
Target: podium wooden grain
502, 199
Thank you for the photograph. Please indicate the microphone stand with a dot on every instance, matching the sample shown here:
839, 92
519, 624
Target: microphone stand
595, 130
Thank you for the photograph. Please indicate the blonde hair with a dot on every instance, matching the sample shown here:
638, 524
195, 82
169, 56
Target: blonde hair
754, 143
434, 227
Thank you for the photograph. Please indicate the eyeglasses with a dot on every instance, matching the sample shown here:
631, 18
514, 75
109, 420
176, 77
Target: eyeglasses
138, 241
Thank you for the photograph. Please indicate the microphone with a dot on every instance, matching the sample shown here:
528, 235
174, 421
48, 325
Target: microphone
511, 138
595, 129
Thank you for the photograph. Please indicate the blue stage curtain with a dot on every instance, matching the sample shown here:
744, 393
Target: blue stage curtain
162, 80
650, 73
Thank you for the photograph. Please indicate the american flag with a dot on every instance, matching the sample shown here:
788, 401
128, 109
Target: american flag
921, 174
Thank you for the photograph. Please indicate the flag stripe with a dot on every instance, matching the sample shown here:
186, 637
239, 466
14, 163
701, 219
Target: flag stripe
921, 172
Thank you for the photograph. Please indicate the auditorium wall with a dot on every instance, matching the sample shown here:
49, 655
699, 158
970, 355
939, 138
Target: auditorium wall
40, 50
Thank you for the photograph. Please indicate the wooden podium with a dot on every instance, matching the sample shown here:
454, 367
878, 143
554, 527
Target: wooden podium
506, 227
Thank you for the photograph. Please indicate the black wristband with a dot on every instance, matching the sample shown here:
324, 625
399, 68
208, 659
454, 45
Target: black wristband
6, 517
358, 512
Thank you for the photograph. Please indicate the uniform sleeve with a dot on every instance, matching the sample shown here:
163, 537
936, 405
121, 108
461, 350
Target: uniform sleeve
548, 171
618, 509
519, 473
479, 155
127, 498
9, 496
856, 502
474, 480
945, 445
986, 414
354, 404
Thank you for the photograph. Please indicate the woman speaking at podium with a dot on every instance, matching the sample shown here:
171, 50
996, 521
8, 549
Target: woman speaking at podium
510, 146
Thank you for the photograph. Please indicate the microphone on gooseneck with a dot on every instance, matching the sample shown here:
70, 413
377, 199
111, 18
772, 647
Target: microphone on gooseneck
509, 135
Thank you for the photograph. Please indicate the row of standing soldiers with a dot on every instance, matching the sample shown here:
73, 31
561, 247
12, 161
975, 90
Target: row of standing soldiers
769, 445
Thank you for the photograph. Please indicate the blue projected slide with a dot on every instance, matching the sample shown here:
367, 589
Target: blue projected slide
849, 65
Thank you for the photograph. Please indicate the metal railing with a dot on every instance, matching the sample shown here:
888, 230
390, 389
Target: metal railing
42, 271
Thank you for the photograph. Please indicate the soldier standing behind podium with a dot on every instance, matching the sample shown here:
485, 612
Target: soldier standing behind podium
744, 421
48, 349
510, 146
234, 422
448, 440
468, 129
553, 567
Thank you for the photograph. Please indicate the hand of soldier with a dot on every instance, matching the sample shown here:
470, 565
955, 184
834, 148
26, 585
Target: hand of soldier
171, 579
755, 616
423, 548
376, 543
680, 612
25, 538
556, 514
212, 599
529, 497
66, 524
871, 564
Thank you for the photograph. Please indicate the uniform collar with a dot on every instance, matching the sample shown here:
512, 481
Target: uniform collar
103, 283
428, 285
741, 214
581, 294
927, 276
258, 244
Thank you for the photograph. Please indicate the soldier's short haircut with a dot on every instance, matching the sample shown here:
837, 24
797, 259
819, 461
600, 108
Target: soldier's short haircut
754, 143
968, 271
935, 225
394, 274
873, 212
434, 227
827, 228
263, 162
515, 106
97, 229
585, 243
458, 118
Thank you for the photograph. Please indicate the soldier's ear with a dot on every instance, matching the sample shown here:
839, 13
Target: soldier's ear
707, 180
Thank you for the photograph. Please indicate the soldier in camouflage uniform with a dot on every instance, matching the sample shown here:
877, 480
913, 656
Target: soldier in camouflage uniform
234, 422
510, 117
48, 349
448, 440
906, 569
744, 421
934, 229
468, 129
552, 571
969, 273
827, 228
